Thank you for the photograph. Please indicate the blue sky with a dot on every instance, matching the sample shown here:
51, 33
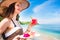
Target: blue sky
46, 11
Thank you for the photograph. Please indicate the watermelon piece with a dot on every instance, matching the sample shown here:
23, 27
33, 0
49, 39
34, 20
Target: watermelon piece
34, 21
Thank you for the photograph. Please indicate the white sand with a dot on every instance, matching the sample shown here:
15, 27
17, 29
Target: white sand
43, 36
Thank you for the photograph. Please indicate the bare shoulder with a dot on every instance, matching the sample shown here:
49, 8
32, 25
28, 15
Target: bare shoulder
5, 20
4, 25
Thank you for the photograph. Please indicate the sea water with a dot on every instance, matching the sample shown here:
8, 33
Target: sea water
52, 30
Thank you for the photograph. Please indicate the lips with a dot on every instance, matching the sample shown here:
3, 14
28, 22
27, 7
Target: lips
18, 9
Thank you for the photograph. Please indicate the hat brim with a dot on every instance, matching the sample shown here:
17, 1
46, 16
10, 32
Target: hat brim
24, 3
5, 3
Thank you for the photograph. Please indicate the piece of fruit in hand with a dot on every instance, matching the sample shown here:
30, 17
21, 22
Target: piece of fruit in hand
26, 35
34, 21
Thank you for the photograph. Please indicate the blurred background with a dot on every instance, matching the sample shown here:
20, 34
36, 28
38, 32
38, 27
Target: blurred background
47, 13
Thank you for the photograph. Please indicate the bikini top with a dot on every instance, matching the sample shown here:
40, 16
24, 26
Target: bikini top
16, 27
16, 23
13, 23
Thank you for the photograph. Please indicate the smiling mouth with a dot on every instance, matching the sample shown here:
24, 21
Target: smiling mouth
18, 9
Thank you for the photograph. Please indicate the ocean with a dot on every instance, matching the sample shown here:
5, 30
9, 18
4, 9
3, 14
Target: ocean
47, 30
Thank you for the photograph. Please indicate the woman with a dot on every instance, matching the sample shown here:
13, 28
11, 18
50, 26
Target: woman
9, 26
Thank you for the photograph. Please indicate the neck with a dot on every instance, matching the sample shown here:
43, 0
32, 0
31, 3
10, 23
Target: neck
14, 16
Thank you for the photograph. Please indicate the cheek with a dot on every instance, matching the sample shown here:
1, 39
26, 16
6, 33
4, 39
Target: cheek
16, 8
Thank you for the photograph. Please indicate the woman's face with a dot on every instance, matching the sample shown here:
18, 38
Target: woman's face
18, 8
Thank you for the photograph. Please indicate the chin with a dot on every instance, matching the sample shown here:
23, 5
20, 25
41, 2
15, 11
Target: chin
18, 12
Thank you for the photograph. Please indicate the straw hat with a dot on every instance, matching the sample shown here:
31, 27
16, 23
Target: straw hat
6, 3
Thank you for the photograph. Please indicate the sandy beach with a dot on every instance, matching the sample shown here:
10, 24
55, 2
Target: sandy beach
42, 36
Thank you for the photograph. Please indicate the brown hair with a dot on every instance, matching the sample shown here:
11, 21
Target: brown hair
10, 10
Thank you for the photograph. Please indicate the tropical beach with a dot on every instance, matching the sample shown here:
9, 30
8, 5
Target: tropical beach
41, 34
47, 14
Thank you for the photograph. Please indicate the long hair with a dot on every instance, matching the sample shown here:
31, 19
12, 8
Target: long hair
10, 10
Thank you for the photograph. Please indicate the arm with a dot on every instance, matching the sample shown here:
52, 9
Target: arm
33, 22
3, 25
29, 28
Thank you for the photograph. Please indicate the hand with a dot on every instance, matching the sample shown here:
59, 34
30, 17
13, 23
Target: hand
33, 22
29, 35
